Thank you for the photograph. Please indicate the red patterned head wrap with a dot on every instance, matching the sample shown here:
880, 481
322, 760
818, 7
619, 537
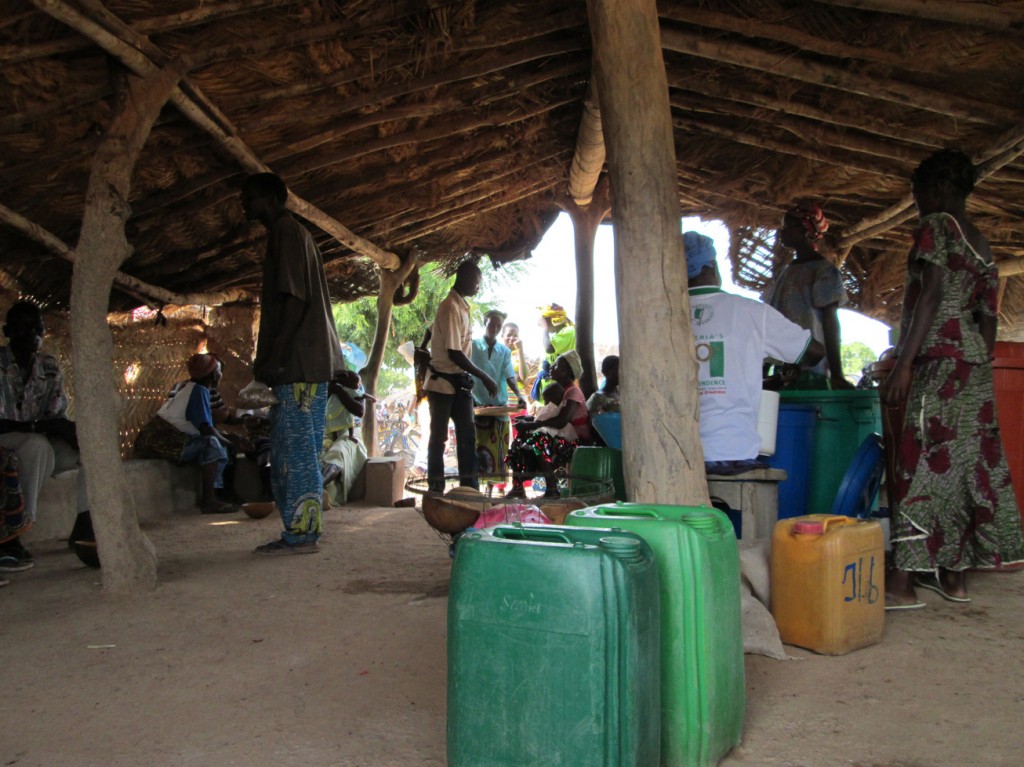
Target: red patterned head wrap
810, 215
201, 365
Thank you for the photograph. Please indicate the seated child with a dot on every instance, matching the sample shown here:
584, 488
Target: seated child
552, 396
344, 455
183, 431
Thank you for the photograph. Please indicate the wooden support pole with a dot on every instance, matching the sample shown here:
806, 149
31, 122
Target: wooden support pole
129, 558
662, 452
390, 282
585, 221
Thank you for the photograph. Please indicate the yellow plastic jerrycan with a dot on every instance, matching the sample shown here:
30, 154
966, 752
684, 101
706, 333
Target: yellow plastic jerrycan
828, 582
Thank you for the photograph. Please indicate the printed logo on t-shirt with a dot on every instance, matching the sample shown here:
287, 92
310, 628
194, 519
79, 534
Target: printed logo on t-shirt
711, 358
702, 314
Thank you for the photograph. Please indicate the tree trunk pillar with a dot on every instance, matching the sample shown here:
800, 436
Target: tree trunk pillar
585, 221
129, 558
664, 462
390, 283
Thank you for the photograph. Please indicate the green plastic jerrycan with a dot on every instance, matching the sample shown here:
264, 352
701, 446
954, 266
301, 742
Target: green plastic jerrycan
553, 654
702, 679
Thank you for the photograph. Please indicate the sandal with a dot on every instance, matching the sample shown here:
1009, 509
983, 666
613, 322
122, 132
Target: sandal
893, 602
224, 508
931, 582
281, 547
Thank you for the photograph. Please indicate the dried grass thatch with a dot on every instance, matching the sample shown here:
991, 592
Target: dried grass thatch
450, 126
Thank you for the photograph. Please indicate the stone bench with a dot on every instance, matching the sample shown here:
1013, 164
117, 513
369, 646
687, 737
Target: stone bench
754, 494
160, 488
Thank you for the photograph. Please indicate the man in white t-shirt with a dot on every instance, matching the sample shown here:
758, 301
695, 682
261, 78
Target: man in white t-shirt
450, 381
733, 335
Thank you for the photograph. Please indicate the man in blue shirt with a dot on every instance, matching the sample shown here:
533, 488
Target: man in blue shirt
495, 359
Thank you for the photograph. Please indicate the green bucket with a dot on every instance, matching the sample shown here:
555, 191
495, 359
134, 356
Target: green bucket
844, 419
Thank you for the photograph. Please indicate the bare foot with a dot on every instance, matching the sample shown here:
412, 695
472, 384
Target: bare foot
954, 583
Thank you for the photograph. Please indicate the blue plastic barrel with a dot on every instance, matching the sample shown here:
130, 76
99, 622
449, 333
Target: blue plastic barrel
794, 452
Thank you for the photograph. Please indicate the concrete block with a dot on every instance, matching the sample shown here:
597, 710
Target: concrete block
385, 480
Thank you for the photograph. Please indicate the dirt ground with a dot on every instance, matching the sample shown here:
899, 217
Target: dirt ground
339, 659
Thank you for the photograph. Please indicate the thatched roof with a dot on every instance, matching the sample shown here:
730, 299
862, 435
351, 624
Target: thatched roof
450, 126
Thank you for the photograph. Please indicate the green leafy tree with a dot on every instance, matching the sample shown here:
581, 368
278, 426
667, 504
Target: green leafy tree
855, 356
356, 323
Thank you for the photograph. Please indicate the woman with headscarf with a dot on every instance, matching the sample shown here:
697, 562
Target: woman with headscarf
954, 507
559, 337
534, 452
183, 431
810, 290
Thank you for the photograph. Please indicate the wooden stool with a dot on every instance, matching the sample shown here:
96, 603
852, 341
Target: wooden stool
754, 494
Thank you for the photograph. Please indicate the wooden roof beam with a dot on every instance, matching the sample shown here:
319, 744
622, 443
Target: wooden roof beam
377, 68
444, 129
774, 145
204, 14
1003, 151
863, 121
129, 284
759, 29
1008, 18
128, 52
451, 218
831, 76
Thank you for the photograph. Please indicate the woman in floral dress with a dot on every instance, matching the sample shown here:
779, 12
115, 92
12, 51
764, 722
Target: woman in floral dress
954, 506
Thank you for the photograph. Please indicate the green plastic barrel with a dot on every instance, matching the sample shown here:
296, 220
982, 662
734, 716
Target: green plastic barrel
702, 681
844, 419
553, 654
599, 463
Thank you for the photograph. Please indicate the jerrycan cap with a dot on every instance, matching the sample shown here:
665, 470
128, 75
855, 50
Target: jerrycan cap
808, 527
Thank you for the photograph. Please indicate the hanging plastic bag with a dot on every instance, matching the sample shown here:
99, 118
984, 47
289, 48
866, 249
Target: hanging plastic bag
254, 396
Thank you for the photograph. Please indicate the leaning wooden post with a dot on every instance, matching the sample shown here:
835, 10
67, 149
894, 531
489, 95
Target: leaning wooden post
129, 559
664, 462
390, 284
585, 221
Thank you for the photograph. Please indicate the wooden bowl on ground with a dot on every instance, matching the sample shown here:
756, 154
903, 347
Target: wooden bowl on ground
451, 516
259, 510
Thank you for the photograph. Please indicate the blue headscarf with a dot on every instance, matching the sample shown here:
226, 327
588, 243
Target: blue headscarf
700, 252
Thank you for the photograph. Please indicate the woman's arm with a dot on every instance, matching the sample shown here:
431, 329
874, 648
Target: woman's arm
895, 388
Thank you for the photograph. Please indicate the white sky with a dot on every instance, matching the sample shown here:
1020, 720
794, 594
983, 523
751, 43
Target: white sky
550, 277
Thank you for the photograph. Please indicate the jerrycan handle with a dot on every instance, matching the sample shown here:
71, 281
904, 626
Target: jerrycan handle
819, 524
625, 511
531, 534
837, 521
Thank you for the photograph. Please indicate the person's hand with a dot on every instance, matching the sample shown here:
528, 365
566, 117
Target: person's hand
521, 403
840, 383
895, 388
490, 385
527, 426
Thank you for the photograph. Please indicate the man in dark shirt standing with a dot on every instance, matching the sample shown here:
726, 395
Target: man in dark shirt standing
297, 354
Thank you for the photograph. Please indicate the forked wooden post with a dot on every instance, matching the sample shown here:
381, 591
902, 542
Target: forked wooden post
129, 559
664, 462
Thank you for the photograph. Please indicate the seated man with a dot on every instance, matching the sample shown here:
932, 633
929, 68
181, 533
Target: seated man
344, 455
606, 399
733, 336
33, 420
182, 431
